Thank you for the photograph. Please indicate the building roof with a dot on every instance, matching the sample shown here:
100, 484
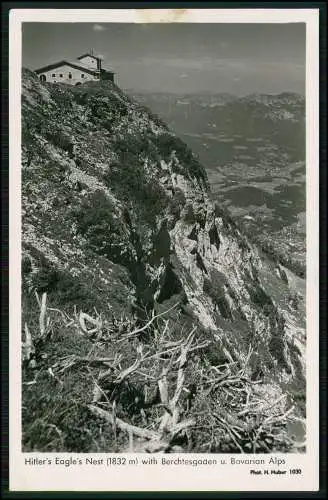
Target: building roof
73, 64
108, 70
68, 63
91, 55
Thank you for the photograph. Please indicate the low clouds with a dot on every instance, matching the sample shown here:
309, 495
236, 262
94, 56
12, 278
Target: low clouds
237, 76
219, 64
98, 27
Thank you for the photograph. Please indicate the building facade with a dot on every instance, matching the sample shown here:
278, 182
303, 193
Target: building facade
87, 67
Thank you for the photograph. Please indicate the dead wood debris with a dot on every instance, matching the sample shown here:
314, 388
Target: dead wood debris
169, 427
239, 413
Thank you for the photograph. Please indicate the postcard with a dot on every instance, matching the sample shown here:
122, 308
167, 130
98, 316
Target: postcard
164, 174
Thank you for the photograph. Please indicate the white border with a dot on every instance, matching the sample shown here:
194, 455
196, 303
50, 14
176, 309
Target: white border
164, 478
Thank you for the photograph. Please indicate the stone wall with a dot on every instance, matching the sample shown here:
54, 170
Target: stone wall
66, 71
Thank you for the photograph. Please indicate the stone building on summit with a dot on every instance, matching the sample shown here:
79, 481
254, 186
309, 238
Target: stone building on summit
87, 67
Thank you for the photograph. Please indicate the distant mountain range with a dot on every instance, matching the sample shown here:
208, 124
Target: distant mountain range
253, 149
210, 98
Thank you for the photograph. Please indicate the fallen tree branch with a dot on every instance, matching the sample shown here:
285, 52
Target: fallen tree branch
143, 328
140, 358
52, 375
260, 409
280, 418
72, 360
137, 431
42, 317
181, 426
37, 298
62, 313
86, 317
163, 386
170, 418
28, 344
182, 362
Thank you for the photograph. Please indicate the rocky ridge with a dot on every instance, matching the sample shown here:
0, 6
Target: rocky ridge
117, 218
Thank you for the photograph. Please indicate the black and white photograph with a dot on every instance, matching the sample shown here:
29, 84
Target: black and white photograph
163, 238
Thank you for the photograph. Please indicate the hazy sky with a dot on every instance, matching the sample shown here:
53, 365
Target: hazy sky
178, 57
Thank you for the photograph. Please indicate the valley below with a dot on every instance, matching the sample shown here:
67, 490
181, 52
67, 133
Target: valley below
253, 149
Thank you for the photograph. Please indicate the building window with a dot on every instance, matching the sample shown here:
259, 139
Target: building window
61, 75
43, 78
69, 75
53, 75
82, 75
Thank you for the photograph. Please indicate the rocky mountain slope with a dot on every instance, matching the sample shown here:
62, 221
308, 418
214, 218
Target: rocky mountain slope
119, 226
253, 149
